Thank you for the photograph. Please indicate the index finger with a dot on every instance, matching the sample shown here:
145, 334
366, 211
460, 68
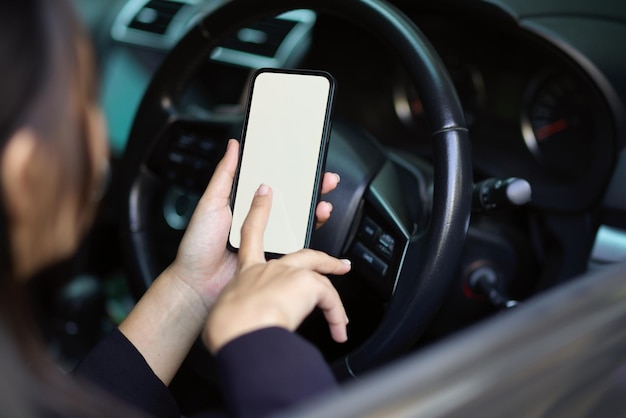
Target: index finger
251, 250
318, 261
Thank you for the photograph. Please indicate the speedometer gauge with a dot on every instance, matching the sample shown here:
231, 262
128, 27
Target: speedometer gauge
558, 126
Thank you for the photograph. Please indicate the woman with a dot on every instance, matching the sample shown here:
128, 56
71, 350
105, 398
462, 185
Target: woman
52, 160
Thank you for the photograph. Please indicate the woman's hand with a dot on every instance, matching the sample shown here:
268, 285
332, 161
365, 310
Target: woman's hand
203, 262
169, 317
276, 293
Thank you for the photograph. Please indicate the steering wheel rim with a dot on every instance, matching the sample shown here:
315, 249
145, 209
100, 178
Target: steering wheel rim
431, 256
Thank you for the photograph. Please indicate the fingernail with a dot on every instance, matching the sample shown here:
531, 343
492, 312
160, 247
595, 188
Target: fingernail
330, 206
347, 319
230, 143
338, 177
262, 190
346, 261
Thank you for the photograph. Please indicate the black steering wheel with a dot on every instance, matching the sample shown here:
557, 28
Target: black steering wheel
422, 262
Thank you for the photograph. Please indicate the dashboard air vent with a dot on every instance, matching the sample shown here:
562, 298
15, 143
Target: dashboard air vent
155, 16
279, 41
263, 37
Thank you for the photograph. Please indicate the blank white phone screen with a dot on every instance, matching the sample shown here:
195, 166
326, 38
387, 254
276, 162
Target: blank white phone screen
281, 148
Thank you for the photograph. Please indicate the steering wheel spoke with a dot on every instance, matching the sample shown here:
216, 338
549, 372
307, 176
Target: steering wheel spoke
382, 231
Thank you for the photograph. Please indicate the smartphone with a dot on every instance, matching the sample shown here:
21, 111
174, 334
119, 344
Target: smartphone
284, 143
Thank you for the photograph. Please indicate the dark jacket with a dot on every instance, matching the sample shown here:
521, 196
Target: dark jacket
261, 373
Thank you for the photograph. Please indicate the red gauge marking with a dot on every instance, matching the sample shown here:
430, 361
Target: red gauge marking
417, 107
550, 129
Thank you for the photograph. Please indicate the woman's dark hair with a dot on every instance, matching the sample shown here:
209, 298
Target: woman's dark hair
46, 83
21, 47
46, 78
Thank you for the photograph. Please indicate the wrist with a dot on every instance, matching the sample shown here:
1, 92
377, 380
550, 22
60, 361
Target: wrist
182, 295
165, 323
207, 285
228, 322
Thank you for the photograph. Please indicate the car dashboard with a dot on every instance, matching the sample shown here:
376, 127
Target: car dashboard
537, 107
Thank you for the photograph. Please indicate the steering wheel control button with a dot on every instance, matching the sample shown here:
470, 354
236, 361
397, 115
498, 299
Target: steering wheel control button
374, 237
362, 253
176, 158
385, 245
207, 146
187, 142
369, 230
186, 158
195, 144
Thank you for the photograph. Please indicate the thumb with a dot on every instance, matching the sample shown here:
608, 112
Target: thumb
222, 179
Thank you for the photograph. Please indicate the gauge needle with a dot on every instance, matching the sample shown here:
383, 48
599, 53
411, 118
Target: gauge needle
550, 129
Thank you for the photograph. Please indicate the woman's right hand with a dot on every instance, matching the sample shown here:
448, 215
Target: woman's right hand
274, 293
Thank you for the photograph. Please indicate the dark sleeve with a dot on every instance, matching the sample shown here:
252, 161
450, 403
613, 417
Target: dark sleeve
271, 369
116, 366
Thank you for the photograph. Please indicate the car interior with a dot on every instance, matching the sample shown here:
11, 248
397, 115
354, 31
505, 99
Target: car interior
482, 152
